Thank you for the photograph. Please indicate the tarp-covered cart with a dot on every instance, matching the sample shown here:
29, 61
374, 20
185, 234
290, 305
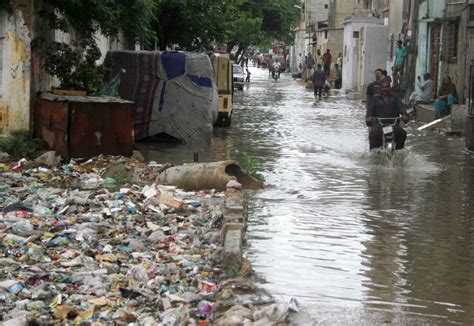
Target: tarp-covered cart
174, 92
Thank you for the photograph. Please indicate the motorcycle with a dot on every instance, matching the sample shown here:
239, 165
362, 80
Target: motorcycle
388, 139
275, 74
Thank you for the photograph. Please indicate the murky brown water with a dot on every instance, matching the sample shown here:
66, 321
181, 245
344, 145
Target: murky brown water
354, 240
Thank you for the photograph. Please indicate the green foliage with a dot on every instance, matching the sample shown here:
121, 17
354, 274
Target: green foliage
199, 24
194, 25
20, 145
75, 64
251, 166
277, 19
74, 67
6, 5
85, 17
88, 76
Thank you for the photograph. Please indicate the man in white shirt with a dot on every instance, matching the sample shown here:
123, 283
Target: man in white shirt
425, 94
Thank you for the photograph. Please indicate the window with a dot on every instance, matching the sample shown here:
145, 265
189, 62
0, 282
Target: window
452, 31
355, 34
471, 13
326, 35
326, 6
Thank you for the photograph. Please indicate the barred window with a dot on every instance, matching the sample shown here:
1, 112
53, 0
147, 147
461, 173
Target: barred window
452, 31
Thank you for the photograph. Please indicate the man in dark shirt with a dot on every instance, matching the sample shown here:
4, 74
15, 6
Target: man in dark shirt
319, 77
374, 87
338, 81
385, 105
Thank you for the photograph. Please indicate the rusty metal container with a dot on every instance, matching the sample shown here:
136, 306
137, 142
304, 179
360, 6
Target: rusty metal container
84, 126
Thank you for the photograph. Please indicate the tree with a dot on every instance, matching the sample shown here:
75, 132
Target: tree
193, 25
276, 20
197, 25
5, 5
86, 17
75, 64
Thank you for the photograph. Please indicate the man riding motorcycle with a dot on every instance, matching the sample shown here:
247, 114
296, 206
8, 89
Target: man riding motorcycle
386, 105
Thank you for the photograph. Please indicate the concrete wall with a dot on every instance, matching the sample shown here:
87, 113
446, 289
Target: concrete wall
351, 49
316, 10
458, 70
396, 16
298, 47
335, 42
422, 41
343, 9
106, 44
15, 52
371, 53
427, 13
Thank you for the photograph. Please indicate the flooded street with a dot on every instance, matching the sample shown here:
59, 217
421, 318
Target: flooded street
356, 241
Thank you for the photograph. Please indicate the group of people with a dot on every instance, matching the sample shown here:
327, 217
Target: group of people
308, 65
383, 101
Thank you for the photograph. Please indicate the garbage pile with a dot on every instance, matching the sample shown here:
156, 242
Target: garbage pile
97, 242
97, 254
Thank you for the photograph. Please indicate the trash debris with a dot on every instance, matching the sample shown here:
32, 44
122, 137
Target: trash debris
80, 247
49, 159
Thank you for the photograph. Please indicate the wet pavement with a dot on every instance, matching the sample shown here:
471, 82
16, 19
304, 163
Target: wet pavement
355, 239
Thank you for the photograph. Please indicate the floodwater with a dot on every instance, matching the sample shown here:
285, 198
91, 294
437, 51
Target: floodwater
355, 239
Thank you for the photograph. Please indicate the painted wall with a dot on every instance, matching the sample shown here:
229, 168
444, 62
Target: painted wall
423, 41
371, 53
15, 75
351, 49
428, 11
297, 48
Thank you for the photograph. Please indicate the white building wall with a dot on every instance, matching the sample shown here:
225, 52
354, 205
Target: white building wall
395, 16
296, 49
371, 53
15, 62
106, 43
422, 59
350, 53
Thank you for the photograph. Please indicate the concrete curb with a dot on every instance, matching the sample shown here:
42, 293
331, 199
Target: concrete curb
233, 229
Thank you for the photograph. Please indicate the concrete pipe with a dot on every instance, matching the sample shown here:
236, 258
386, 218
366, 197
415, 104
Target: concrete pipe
214, 175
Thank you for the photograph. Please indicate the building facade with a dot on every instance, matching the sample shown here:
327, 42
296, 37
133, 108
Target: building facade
21, 72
